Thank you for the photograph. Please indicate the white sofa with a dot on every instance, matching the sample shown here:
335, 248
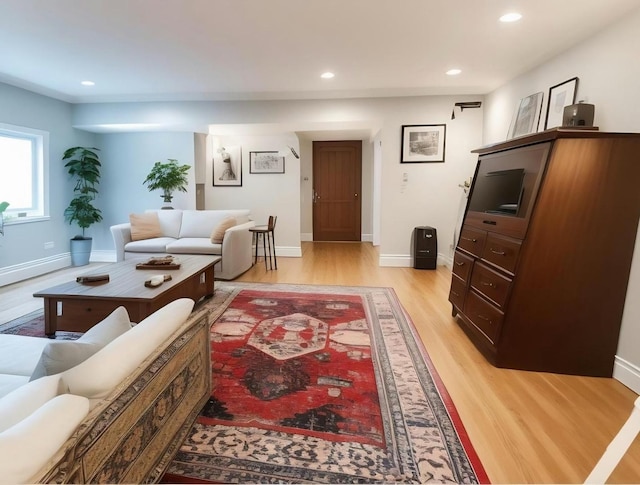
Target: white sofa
189, 232
119, 414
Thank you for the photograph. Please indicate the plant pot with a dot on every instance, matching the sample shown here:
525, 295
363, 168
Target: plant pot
80, 251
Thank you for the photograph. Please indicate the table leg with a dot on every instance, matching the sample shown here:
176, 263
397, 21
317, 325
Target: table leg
50, 317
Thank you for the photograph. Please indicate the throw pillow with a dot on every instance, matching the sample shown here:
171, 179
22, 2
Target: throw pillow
218, 232
60, 355
145, 226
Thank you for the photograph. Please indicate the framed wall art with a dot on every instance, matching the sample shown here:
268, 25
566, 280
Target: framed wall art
423, 143
527, 116
266, 162
227, 167
560, 96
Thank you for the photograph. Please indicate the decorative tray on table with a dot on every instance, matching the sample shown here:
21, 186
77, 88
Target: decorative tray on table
159, 262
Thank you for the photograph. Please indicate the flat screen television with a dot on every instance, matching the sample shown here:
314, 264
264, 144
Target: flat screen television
498, 192
504, 189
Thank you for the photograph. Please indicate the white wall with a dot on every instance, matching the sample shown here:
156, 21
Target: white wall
22, 248
431, 196
127, 159
608, 70
263, 194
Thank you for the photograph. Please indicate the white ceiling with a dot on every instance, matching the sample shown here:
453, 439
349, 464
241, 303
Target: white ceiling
144, 50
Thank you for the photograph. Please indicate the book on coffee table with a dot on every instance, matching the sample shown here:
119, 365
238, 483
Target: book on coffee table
159, 262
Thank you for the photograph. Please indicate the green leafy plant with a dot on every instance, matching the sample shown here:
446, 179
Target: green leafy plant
168, 177
84, 165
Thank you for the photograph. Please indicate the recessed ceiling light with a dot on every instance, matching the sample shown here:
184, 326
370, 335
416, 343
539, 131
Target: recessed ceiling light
327, 75
88, 83
510, 17
453, 72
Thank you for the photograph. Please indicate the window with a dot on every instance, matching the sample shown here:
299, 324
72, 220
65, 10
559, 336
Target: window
23, 160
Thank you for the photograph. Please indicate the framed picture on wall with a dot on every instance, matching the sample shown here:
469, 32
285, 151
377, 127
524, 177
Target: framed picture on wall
227, 167
423, 143
266, 162
527, 116
560, 96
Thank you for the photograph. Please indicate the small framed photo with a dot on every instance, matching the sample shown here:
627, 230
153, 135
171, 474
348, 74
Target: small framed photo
227, 167
526, 117
560, 96
423, 143
266, 162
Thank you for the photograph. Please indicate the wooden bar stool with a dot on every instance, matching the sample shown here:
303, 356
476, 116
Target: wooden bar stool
268, 242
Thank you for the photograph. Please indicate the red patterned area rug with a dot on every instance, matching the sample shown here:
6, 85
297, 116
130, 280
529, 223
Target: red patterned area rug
32, 325
322, 384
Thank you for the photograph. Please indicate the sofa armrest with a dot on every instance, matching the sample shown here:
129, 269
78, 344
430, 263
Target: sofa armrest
121, 235
236, 251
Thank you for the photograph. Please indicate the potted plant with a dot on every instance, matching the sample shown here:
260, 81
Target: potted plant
83, 165
168, 177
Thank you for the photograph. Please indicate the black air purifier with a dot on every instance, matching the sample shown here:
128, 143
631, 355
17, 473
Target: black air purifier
425, 247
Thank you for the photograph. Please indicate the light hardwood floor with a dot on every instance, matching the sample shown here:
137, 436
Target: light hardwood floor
526, 427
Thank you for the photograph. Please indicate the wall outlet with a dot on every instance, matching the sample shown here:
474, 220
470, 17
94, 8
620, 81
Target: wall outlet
49, 245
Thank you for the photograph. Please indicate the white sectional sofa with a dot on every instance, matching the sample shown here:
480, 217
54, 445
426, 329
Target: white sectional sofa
189, 232
119, 414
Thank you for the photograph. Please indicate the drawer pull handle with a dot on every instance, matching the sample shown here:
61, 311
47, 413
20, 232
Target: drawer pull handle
486, 319
473, 240
493, 223
454, 293
490, 285
498, 252
459, 263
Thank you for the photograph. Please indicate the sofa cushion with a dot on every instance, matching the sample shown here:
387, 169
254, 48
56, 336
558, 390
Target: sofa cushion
200, 223
155, 245
10, 382
170, 221
60, 355
27, 446
21, 402
144, 226
19, 354
218, 232
97, 376
194, 245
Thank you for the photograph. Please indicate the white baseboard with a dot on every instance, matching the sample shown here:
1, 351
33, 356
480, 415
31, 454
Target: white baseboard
284, 251
627, 373
31, 269
308, 237
406, 261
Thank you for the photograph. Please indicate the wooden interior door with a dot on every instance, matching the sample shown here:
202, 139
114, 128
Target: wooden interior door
337, 181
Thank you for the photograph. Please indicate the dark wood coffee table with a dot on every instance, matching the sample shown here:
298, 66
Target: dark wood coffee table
76, 307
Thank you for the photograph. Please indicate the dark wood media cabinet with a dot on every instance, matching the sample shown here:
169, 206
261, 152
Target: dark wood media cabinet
540, 284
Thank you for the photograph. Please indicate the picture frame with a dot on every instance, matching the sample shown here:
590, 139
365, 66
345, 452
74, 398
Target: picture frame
526, 117
266, 162
227, 167
560, 96
423, 143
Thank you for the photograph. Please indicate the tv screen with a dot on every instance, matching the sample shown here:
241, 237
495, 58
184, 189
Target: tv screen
498, 192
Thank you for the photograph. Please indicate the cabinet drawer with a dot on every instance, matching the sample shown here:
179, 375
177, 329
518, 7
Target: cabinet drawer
462, 266
472, 240
457, 292
483, 315
502, 251
490, 283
